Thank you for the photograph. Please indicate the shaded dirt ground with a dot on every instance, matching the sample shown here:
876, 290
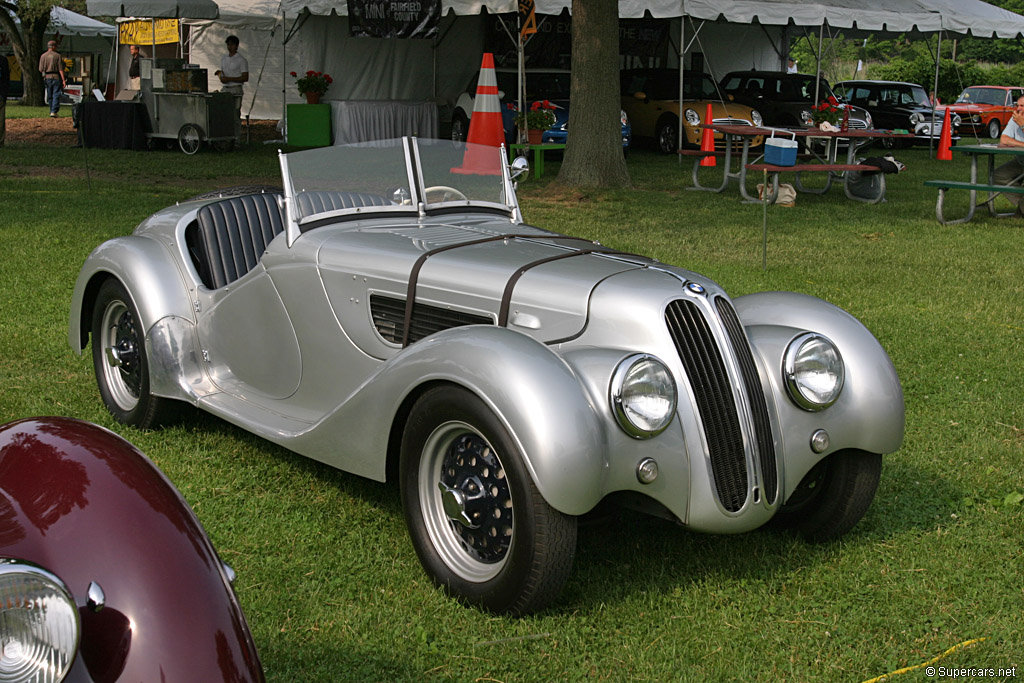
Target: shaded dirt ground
60, 133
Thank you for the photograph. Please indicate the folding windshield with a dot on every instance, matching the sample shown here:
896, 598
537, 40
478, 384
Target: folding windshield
400, 175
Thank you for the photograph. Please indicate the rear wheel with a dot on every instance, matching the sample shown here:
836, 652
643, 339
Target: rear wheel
994, 129
190, 138
460, 127
833, 496
479, 525
120, 361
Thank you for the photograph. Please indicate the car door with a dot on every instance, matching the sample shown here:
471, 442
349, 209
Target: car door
643, 112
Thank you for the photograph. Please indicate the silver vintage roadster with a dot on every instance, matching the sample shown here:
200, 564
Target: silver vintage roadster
390, 312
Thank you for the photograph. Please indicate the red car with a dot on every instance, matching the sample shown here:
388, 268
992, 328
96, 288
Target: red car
106, 575
985, 109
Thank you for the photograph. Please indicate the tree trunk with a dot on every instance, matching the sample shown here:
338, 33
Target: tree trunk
27, 44
593, 152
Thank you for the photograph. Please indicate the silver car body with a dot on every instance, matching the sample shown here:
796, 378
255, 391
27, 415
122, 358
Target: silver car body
307, 348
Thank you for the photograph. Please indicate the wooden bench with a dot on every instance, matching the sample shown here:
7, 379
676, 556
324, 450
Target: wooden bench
868, 188
992, 190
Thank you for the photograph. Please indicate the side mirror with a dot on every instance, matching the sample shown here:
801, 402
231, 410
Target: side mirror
519, 167
732, 98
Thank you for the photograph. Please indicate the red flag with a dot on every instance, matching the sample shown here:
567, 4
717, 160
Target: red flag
528, 9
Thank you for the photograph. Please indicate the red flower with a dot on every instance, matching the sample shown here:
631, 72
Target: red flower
294, 74
832, 100
328, 79
311, 73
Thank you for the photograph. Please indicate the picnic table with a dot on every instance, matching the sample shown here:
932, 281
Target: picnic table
861, 183
975, 152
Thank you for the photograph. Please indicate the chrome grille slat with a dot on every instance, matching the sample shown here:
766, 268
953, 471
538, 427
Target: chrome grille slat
712, 390
755, 398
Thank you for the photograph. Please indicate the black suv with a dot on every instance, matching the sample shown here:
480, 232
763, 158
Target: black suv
784, 99
895, 105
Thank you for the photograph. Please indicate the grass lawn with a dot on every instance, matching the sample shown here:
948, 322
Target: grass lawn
330, 583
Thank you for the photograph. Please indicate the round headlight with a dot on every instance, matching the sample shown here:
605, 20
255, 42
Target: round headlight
643, 396
955, 120
39, 627
915, 119
805, 116
692, 117
755, 118
623, 118
814, 372
868, 120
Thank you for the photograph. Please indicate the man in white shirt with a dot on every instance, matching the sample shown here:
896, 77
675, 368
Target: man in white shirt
233, 72
1012, 171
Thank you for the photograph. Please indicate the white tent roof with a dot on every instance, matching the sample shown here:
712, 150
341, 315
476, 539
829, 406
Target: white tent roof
972, 17
69, 23
155, 9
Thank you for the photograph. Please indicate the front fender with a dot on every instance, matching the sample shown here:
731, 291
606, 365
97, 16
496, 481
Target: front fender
869, 414
529, 388
149, 274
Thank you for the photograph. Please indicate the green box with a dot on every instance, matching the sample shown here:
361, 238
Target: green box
309, 125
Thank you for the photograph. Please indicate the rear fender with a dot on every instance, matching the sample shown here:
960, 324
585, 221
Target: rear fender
147, 271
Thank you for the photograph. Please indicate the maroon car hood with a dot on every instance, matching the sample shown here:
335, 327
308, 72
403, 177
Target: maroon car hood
84, 504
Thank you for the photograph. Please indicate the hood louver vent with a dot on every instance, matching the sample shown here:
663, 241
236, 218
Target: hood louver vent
388, 315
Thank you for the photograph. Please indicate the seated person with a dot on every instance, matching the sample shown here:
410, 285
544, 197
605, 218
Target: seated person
1013, 170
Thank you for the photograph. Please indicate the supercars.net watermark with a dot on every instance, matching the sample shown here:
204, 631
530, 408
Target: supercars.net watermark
970, 672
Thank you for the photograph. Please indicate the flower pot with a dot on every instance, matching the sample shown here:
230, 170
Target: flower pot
312, 98
534, 135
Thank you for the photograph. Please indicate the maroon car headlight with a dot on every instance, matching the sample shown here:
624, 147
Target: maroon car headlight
39, 626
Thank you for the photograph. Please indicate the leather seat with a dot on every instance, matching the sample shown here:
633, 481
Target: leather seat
317, 201
233, 234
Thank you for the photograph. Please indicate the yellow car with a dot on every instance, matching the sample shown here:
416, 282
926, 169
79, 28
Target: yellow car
650, 98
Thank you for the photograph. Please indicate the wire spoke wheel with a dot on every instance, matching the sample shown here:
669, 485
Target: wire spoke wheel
190, 138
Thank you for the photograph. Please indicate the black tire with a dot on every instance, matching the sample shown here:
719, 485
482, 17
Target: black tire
460, 127
190, 138
236, 191
833, 496
667, 136
120, 361
458, 460
994, 129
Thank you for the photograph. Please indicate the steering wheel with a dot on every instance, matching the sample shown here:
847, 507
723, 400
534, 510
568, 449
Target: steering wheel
447, 194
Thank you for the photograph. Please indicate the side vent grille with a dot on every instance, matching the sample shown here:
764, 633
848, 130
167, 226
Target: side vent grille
755, 398
705, 369
388, 315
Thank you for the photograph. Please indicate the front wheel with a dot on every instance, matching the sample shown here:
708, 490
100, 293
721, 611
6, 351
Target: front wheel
120, 361
994, 129
460, 127
668, 137
833, 496
190, 138
479, 525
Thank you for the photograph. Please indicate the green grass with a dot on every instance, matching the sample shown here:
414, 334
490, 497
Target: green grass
330, 583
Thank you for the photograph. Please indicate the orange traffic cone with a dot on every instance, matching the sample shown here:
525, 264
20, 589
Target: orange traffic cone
485, 128
945, 153
707, 141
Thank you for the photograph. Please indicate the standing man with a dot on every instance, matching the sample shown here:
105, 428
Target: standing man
233, 72
1010, 173
5, 86
134, 74
51, 65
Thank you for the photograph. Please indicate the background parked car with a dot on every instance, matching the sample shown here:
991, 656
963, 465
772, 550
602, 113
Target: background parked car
986, 109
105, 572
650, 98
541, 84
895, 105
785, 100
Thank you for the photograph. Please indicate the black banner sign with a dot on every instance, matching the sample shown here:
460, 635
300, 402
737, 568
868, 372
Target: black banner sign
394, 18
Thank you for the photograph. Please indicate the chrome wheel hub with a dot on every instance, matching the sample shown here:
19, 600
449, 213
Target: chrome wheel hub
123, 368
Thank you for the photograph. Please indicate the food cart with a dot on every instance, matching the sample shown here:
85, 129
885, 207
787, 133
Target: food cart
181, 109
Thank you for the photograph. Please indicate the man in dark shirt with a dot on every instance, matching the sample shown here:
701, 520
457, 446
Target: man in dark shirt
51, 65
134, 75
5, 86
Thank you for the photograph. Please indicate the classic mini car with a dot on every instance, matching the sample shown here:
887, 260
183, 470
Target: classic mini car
551, 85
986, 109
105, 573
899, 106
786, 99
390, 312
650, 97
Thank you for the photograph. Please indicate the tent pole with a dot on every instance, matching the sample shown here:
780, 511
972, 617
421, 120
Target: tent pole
682, 68
284, 72
935, 89
821, 53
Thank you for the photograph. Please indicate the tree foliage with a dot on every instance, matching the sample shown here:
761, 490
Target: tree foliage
28, 40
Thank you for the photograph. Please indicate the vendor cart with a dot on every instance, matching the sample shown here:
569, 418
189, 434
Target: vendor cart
181, 109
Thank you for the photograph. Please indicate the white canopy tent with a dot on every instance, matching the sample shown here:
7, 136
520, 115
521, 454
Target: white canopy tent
416, 69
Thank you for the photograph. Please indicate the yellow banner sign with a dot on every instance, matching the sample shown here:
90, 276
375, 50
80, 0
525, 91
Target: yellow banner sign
140, 32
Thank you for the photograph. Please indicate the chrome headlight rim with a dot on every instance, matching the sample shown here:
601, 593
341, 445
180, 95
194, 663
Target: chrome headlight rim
623, 371
692, 117
791, 372
14, 598
806, 117
916, 118
623, 117
756, 118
